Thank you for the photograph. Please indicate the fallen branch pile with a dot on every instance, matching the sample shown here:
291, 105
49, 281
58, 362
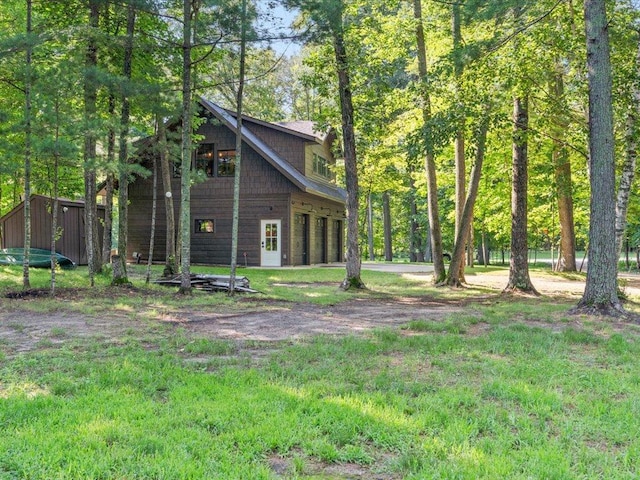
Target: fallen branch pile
209, 283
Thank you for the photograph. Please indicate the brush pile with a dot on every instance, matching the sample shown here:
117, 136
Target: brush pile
209, 283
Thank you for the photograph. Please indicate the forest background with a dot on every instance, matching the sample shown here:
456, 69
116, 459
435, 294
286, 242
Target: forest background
81, 81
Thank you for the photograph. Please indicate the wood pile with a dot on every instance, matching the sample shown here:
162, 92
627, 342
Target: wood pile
209, 283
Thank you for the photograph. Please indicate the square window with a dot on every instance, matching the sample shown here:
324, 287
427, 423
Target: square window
204, 226
226, 163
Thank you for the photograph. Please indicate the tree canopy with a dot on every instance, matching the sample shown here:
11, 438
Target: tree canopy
471, 72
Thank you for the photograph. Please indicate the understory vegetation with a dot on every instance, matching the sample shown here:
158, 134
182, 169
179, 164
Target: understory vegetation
511, 388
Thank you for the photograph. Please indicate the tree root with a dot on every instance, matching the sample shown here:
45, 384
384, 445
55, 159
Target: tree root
608, 309
353, 283
518, 290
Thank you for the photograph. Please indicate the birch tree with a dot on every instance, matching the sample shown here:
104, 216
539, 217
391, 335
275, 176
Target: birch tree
238, 161
26, 284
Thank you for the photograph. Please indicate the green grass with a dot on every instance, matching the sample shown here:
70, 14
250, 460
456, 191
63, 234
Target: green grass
313, 285
515, 402
509, 389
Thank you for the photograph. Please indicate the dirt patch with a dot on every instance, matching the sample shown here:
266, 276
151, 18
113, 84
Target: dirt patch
287, 321
284, 467
257, 320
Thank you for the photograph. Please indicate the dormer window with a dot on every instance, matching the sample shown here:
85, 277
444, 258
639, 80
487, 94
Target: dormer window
321, 167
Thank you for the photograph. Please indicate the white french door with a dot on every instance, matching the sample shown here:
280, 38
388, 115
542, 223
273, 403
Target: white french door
270, 243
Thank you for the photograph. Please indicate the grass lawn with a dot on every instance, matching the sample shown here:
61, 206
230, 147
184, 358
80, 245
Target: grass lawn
515, 389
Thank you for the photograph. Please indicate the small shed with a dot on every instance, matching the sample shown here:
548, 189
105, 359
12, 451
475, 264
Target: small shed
71, 242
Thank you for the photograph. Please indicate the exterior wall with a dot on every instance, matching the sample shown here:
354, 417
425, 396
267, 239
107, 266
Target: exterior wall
324, 152
265, 194
324, 224
71, 242
287, 146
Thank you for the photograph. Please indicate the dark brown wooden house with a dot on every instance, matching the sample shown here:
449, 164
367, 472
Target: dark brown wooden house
71, 241
291, 211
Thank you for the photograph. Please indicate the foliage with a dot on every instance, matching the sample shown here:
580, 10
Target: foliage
509, 46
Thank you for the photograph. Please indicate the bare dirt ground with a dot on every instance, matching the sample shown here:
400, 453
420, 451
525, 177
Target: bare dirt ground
23, 330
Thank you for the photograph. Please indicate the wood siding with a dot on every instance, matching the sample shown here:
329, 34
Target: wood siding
71, 243
324, 223
324, 152
264, 194
287, 146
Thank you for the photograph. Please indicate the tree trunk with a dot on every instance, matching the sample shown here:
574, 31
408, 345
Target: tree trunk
460, 165
54, 207
154, 211
519, 265
352, 278
123, 156
386, 215
470, 244
485, 249
170, 267
562, 165
430, 164
372, 253
89, 154
629, 167
236, 176
462, 235
109, 185
415, 241
600, 294
626, 180
185, 178
26, 284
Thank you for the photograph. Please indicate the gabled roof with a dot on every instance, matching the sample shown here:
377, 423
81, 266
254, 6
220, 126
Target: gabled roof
285, 168
305, 127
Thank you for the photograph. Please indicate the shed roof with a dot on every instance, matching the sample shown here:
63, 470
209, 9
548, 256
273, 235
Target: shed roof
62, 202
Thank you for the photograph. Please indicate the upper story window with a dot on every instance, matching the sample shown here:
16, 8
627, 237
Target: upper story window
205, 158
226, 163
321, 167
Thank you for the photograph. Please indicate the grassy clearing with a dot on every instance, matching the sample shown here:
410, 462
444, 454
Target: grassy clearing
514, 390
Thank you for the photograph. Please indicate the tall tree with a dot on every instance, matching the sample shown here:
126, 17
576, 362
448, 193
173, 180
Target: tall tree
629, 166
170, 267
238, 161
439, 272
562, 166
328, 23
109, 184
459, 153
386, 220
519, 265
370, 239
123, 156
454, 276
352, 279
185, 178
90, 146
601, 290
27, 149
